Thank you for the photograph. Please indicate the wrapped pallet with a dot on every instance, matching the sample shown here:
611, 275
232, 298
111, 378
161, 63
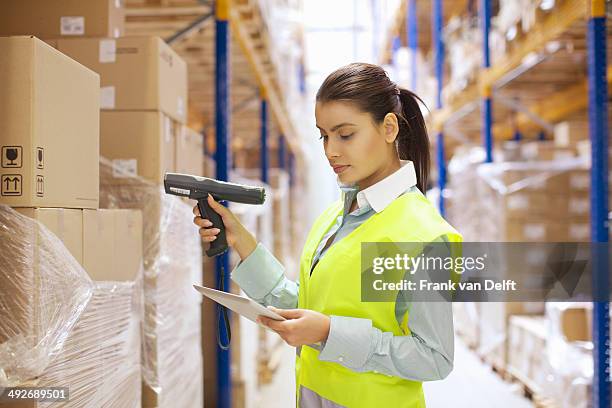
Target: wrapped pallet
60, 329
172, 355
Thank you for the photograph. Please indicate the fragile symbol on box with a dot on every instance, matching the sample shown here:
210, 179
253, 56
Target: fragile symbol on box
11, 185
40, 185
40, 158
11, 157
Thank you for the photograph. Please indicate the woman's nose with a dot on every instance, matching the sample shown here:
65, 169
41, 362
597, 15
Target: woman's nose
332, 150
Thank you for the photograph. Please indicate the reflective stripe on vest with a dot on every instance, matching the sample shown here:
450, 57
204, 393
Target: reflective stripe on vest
335, 289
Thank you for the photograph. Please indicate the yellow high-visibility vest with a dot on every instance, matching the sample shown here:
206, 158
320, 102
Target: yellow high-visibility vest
334, 288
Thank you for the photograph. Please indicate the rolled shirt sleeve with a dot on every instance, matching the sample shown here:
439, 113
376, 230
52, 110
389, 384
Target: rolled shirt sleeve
262, 277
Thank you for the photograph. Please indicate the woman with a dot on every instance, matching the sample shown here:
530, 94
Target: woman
353, 353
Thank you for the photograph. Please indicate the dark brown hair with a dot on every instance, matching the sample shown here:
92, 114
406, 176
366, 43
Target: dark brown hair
368, 87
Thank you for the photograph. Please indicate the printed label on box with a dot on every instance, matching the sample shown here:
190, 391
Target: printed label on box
40, 185
72, 25
107, 97
108, 51
12, 157
125, 168
11, 185
40, 158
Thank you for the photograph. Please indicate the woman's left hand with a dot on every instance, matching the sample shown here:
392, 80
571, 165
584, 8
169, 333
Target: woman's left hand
302, 327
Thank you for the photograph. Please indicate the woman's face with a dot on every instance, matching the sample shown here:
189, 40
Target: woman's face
359, 150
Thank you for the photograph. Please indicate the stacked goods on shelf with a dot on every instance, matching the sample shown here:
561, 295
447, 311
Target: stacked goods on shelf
172, 355
49, 149
510, 201
552, 355
136, 73
56, 323
143, 94
514, 20
464, 39
62, 18
57, 326
522, 192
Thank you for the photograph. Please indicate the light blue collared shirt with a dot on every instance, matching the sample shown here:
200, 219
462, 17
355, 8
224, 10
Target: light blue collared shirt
424, 355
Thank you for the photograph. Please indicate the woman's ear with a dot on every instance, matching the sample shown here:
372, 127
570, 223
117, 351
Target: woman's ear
391, 127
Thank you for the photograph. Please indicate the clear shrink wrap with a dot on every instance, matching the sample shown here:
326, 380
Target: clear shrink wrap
172, 253
60, 329
43, 292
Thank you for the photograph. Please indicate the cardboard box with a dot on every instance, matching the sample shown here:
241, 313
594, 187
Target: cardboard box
533, 203
57, 18
532, 230
49, 110
112, 244
138, 143
66, 224
568, 133
189, 152
545, 151
136, 73
575, 323
574, 180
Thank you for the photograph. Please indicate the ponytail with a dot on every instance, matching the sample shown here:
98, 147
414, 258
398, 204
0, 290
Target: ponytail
413, 140
369, 87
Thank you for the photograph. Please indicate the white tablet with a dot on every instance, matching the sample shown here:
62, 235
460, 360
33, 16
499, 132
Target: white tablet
239, 304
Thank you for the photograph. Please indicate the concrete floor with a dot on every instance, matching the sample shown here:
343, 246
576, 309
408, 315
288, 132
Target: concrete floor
471, 384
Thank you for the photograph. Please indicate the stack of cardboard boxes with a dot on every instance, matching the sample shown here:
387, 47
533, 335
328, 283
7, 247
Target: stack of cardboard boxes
125, 101
50, 310
541, 196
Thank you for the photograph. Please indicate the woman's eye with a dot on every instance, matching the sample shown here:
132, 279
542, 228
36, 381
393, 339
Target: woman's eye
323, 137
347, 136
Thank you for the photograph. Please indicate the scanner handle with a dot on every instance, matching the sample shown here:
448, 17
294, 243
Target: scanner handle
219, 245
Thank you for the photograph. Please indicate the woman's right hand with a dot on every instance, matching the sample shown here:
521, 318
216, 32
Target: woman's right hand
237, 236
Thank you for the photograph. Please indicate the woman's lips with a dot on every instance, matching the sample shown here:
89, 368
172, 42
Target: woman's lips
340, 169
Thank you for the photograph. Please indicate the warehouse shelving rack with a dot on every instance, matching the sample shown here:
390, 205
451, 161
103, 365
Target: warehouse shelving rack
233, 84
531, 87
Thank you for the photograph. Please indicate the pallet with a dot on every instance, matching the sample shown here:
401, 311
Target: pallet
530, 390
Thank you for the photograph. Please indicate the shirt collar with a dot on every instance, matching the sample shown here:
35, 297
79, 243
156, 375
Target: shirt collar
381, 194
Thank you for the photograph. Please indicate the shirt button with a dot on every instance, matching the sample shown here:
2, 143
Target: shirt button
340, 359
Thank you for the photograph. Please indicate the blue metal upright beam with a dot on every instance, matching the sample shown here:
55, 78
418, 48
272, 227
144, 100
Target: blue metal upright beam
487, 116
264, 139
438, 44
413, 41
223, 163
598, 129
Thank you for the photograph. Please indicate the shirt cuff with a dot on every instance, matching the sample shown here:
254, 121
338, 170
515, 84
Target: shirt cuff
349, 342
258, 273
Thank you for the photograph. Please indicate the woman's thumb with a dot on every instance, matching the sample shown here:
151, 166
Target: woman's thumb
217, 207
